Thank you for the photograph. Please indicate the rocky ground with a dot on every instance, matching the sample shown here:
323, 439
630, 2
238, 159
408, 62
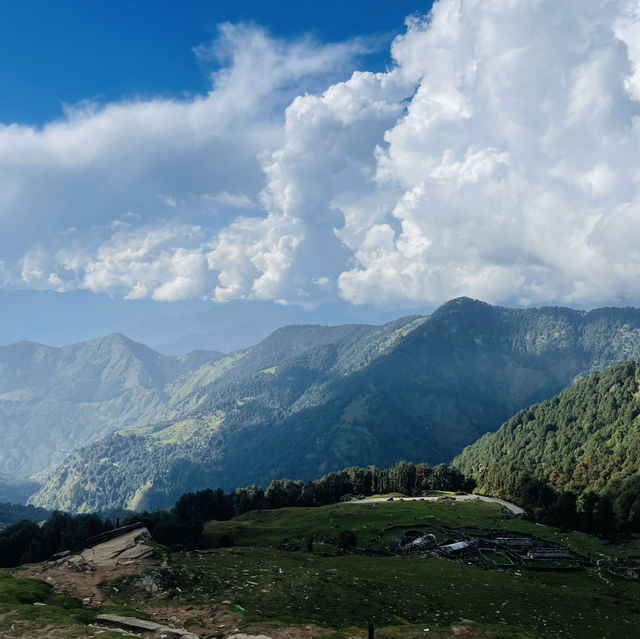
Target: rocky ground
132, 558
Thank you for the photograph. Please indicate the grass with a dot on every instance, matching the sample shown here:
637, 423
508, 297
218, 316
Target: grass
27, 604
29, 607
406, 594
268, 528
353, 590
257, 582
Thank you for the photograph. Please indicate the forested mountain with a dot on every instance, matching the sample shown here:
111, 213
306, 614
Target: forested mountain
584, 440
311, 399
54, 400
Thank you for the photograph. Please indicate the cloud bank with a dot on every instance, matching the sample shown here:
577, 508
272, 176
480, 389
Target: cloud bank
498, 157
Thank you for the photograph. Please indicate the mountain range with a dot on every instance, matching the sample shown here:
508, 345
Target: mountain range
55, 400
311, 399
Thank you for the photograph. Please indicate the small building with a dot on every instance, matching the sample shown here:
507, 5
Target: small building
633, 572
421, 543
457, 547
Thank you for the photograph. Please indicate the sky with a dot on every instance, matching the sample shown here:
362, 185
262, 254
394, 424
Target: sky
178, 169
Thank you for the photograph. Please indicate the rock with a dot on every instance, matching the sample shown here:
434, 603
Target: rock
242, 635
78, 563
157, 580
148, 583
140, 551
128, 546
151, 628
125, 548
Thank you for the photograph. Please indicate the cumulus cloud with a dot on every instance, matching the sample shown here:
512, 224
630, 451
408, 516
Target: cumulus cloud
498, 157
517, 158
135, 162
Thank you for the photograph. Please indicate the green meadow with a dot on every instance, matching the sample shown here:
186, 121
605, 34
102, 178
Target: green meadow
408, 593
285, 567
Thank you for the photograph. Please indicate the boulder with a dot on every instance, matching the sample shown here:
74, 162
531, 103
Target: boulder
146, 628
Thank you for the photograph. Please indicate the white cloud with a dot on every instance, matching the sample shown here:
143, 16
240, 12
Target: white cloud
253, 256
499, 157
167, 263
230, 200
517, 157
103, 164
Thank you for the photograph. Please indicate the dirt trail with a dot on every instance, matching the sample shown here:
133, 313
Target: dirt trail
513, 509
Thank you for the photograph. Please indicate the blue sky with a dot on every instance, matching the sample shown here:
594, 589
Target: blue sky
172, 169
64, 52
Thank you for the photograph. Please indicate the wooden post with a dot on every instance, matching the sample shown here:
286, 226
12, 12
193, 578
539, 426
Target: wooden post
370, 631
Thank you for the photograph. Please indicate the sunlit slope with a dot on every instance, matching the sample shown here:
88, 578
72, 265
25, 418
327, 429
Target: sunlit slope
310, 399
587, 438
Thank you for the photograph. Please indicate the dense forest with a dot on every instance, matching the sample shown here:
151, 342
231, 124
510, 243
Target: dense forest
573, 460
311, 399
12, 513
15, 491
25, 541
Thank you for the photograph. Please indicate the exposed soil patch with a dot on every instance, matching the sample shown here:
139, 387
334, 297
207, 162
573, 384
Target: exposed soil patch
85, 585
80, 575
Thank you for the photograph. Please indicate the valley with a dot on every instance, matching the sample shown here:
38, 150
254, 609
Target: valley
312, 399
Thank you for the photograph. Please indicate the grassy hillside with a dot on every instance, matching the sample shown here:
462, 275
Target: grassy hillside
403, 595
282, 573
312, 399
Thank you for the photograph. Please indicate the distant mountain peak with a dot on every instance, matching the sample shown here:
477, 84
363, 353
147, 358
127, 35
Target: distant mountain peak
464, 304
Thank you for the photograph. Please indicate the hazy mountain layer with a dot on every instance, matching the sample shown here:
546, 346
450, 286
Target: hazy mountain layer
312, 399
15, 491
54, 400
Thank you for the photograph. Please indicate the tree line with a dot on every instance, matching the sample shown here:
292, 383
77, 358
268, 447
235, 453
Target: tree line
26, 541
612, 512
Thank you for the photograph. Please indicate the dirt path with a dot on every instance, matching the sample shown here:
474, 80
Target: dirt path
513, 509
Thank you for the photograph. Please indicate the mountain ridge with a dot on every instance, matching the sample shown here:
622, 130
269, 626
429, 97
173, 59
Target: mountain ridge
308, 400
54, 398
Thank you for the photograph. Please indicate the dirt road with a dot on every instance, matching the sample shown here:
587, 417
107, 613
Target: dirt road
513, 509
